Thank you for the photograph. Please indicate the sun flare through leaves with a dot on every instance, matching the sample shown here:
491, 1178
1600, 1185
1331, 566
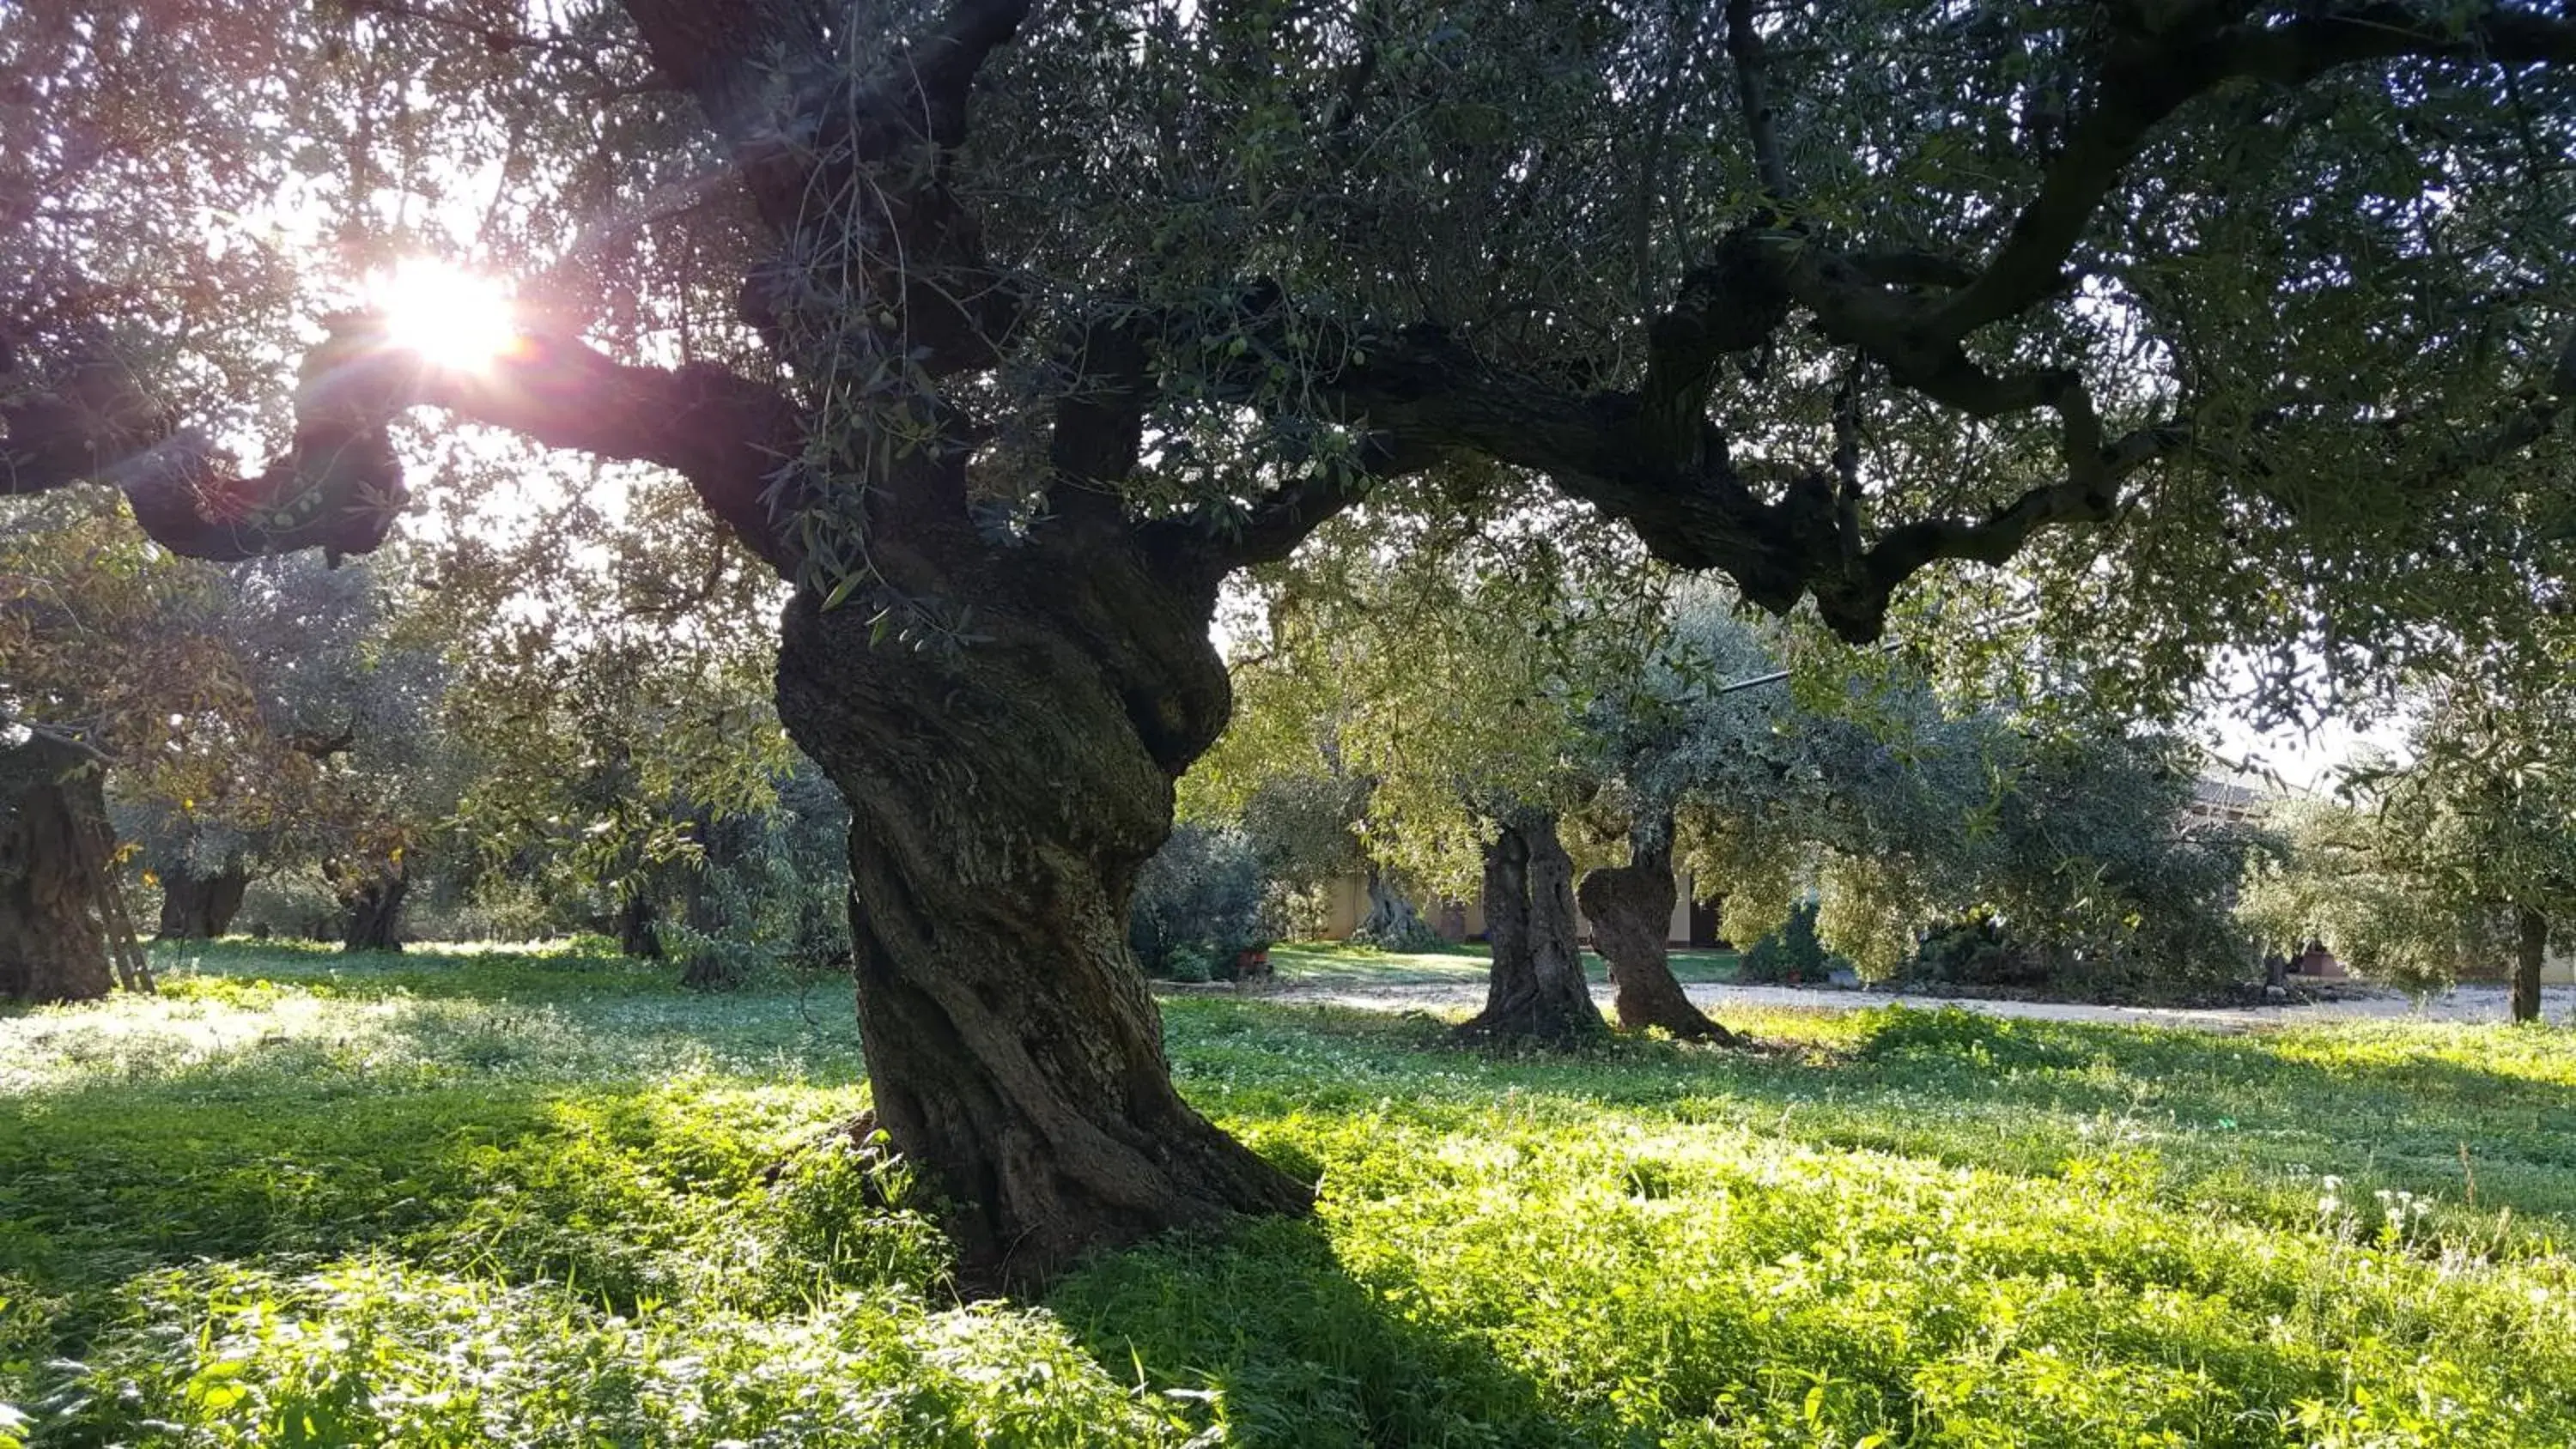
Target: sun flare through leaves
451, 317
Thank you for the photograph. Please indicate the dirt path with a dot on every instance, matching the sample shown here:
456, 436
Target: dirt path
2465, 1003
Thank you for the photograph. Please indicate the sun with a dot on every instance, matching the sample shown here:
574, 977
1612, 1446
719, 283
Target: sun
450, 317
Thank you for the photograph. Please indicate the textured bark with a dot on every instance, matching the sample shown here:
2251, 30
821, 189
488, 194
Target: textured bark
53, 933
2531, 954
374, 905
200, 907
1003, 795
1631, 910
1536, 992
1392, 921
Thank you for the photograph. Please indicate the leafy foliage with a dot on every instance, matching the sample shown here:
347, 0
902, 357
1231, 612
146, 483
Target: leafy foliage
769, 892
1200, 903
1894, 812
2343, 879
1438, 684
1790, 954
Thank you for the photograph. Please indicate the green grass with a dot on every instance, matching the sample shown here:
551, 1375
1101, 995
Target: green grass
1332, 965
549, 1199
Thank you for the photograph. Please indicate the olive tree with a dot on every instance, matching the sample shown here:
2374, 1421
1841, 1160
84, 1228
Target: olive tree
1007, 332
2482, 817
117, 662
2341, 881
1449, 675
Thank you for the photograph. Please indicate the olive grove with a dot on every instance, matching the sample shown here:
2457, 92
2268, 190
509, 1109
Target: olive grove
1005, 333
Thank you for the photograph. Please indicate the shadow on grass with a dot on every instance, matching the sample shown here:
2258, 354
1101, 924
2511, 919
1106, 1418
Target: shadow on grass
1294, 1349
590, 1185
103, 1177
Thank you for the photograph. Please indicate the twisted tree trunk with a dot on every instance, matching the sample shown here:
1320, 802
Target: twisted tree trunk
1003, 795
374, 902
2531, 954
1392, 922
200, 906
1536, 992
1631, 910
53, 915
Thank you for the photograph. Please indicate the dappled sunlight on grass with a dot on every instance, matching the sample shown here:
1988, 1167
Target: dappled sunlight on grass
524, 1198
1338, 965
327, 1019
1334, 963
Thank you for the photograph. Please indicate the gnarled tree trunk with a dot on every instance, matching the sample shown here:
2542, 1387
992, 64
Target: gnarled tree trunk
1392, 921
1003, 794
374, 903
2531, 953
1537, 992
53, 931
1631, 910
199, 906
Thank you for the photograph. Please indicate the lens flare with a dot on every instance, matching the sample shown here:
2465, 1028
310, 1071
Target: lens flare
452, 318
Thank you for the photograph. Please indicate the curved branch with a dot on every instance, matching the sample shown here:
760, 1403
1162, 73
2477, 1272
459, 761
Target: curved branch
725, 433
2089, 493
947, 59
1727, 306
339, 486
2147, 78
1278, 523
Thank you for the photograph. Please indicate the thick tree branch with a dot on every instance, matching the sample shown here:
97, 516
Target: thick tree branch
1753, 92
946, 60
1424, 394
1424, 390
1908, 267
1725, 307
1099, 425
1278, 523
845, 158
724, 433
2089, 493
339, 486
737, 58
2146, 78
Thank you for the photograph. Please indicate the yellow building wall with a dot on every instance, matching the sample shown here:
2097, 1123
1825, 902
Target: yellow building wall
1345, 903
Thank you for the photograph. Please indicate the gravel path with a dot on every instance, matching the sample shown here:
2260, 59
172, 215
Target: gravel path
2465, 1003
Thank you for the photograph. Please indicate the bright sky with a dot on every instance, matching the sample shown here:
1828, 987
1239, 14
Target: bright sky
2305, 760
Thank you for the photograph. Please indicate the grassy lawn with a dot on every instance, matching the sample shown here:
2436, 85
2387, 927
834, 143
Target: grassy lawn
552, 1200
1334, 966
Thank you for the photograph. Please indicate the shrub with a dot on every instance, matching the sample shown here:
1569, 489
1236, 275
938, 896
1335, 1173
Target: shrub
1791, 954
1200, 903
1976, 950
